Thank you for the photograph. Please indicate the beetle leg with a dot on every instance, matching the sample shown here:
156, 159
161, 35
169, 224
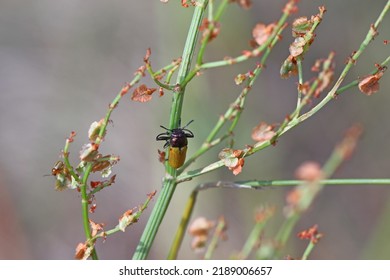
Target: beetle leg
188, 133
163, 136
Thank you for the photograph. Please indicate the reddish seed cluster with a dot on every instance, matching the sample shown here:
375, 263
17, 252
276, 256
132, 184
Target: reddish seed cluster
245, 4
81, 251
370, 84
84, 250
304, 37
309, 171
210, 29
71, 137
185, 4
291, 7
143, 93
349, 143
263, 214
233, 159
262, 32
312, 234
125, 89
263, 132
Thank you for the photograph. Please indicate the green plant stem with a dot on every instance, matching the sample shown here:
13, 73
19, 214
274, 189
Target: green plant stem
216, 236
300, 83
188, 53
253, 239
169, 182
212, 20
84, 209
177, 240
261, 184
308, 250
67, 162
153, 75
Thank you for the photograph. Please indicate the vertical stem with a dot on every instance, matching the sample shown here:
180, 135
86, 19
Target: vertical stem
169, 182
177, 240
84, 207
300, 83
188, 54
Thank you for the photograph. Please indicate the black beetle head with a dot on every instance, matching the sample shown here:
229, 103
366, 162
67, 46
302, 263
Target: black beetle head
176, 137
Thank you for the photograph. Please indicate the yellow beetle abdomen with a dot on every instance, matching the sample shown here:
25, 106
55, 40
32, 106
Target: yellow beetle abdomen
177, 156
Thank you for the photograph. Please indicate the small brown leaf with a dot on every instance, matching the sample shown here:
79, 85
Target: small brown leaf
80, 251
238, 168
95, 227
200, 226
89, 152
232, 159
296, 48
143, 93
94, 130
261, 32
309, 171
263, 132
245, 4
370, 84
161, 156
147, 55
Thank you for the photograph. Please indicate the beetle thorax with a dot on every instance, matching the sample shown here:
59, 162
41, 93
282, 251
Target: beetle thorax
178, 138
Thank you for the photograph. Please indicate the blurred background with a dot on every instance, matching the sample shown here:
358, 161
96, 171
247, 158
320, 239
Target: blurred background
62, 64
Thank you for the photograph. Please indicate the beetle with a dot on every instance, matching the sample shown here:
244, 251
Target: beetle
176, 140
63, 177
58, 168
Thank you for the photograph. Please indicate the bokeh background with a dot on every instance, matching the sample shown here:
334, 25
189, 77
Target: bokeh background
62, 62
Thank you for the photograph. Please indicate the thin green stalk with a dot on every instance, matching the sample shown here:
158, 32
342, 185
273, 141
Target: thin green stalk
300, 83
211, 27
152, 74
178, 238
169, 182
67, 162
261, 184
84, 209
254, 237
284, 233
188, 54
216, 237
308, 250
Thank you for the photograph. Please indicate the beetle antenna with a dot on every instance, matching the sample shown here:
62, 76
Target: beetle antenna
187, 124
165, 128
